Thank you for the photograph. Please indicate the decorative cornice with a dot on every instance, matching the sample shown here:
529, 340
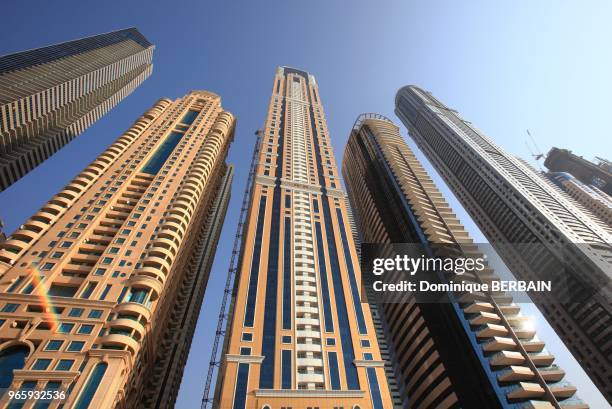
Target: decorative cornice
248, 359
368, 364
309, 393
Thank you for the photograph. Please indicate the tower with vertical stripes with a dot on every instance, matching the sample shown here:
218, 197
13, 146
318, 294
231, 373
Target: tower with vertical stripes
298, 335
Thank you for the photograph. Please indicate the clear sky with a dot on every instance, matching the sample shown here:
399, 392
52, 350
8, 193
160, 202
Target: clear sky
507, 66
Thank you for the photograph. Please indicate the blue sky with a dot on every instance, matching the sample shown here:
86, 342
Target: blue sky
506, 66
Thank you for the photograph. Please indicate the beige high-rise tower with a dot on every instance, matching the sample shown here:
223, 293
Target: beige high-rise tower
299, 336
100, 290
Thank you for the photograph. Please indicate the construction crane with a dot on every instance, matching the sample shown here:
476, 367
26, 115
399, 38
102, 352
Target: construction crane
215, 359
537, 153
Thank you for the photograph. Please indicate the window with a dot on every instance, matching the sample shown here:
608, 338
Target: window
66, 244
10, 307
76, 346
99, 271
245, 351
113, 250
286, 369
59, 290
286, 339
367, 356
365, 343
91, 386
85, 329
64, 364
76, 312
54, 345
331, 341
41, 364
15, 284
11, 359
138, 295
107, 260
57, 254
247, 336
65, 328
47, 266
89, 289
95, 314
105, 292
334, 375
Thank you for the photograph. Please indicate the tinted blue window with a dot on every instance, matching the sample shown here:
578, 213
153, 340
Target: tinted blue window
367, 356
76, 346
54, 345
64, 365
90, 388
95, 314
85, 329
334, 374
327, 314
331, 341
249, 314
189, 117
15, 284
287, 302
162, 153
247, 336
348, 353
374, 389
105, 291
138, 295
245, 351
65, 328
286, 339
10, 307
268, 346
242, 379
351, 275
287, 370
75, 312
315, 206
41, 364
11, 359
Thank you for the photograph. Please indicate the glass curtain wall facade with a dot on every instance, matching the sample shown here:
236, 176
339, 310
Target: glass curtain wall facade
49, 95
298, 335
102, 287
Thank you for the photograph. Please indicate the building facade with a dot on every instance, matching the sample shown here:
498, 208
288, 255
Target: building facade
477, 351
593, 199
50, 95
596, 174
298, 336
101, 288
537, 231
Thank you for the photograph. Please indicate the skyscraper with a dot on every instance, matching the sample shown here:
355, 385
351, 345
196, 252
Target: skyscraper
477, 351
50, 95
101, 288
594, 200
536, 230
298, 335
597, 174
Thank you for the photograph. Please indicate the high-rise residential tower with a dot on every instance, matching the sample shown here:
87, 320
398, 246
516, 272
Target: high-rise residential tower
477, 351
535, 228
50, 95
598, 174
100, 289
298, 335
590, 197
